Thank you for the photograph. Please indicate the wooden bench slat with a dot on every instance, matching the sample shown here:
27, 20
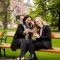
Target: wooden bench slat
54, 50
55, 35
1, 33
4, 45
10, 34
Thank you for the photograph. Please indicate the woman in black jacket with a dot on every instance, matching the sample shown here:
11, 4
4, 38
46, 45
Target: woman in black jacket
42, 35
22, 38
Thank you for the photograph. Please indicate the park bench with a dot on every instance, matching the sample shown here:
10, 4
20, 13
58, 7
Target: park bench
1, 39
54, 50
4, 45
53, 35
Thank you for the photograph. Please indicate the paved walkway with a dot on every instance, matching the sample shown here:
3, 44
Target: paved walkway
5, 58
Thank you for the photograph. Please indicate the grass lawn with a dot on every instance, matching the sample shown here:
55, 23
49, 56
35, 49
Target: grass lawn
40, 55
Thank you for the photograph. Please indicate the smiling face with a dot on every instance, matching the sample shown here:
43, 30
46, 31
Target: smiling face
38, 22
28, 21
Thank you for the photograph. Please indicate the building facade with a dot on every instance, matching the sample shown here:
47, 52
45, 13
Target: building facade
18, 9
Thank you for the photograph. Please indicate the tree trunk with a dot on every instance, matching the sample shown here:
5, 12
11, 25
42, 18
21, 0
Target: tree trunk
5, 21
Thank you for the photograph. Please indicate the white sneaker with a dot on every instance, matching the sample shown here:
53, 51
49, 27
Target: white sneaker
23, 58
18, 58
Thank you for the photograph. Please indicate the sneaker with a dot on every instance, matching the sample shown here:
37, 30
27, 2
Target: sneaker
18, 58
23, 58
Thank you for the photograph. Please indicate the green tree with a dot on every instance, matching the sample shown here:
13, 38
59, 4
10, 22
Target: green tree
55, 10
49, 10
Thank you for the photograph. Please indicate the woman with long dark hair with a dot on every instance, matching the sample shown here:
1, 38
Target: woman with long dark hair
22, 38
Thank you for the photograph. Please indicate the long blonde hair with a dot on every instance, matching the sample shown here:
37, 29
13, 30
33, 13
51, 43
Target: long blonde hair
42, 21
39, 18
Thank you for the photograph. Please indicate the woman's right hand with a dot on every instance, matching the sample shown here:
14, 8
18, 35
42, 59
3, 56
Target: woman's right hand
35, 35
26, 30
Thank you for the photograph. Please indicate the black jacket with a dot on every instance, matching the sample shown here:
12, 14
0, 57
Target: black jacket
18, 35
45, 39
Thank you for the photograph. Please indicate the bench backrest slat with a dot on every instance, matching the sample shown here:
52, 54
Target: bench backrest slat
1, 33
55, 35
10, 34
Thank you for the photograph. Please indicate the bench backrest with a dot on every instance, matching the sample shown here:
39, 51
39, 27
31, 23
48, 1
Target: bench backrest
10, 34
55, 35
1, 34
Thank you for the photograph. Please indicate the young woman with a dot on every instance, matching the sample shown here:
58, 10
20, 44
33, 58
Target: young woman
23, 39
42, 35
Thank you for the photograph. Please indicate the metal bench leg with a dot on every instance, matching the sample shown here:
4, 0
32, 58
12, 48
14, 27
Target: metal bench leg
0, 52
4, 52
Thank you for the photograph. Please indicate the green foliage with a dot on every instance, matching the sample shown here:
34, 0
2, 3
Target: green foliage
48, 9
18, 21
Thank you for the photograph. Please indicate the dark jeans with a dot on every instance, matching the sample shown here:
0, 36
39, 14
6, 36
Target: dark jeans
38, 45
24, 45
